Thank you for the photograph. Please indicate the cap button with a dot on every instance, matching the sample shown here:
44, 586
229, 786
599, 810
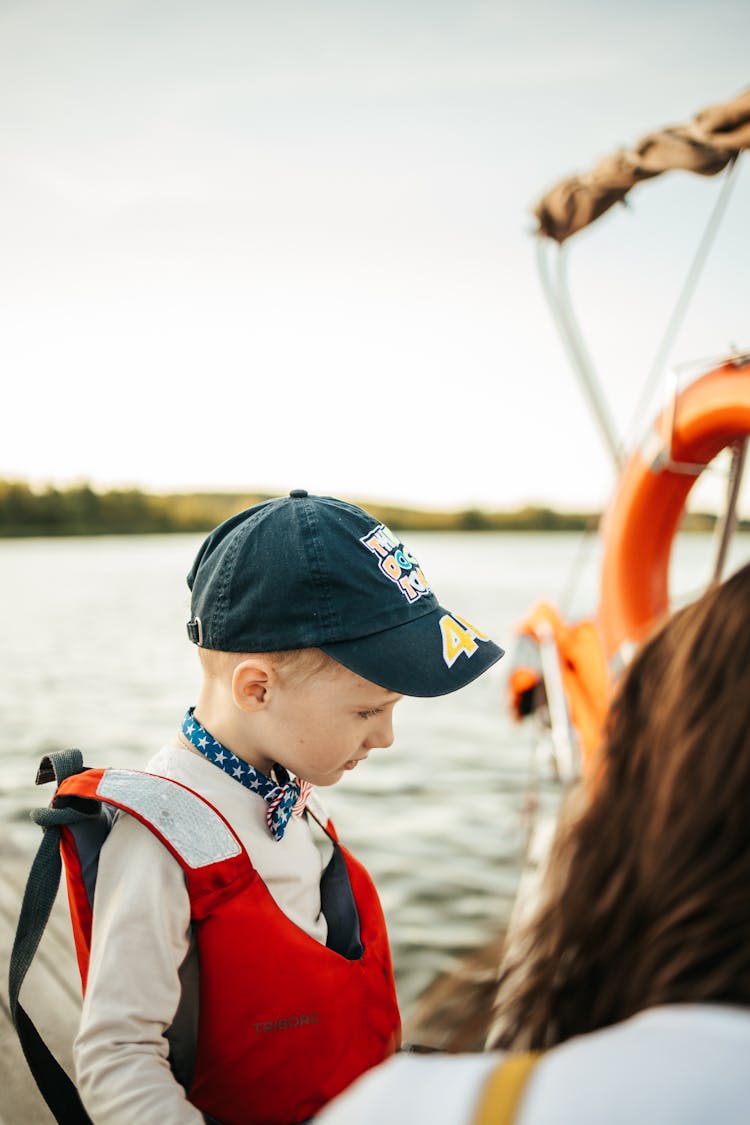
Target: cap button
298, 493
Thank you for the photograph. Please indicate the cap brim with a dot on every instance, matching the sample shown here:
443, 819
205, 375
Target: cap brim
426, 656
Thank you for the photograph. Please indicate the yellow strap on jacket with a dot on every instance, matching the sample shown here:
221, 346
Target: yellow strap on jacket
504, 1089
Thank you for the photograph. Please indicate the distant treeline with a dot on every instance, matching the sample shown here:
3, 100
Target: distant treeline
82, 510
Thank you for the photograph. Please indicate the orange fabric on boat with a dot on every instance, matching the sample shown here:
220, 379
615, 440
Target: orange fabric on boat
640, 526
583, 669
521, 681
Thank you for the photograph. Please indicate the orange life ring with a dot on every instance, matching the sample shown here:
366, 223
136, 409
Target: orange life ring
641, 523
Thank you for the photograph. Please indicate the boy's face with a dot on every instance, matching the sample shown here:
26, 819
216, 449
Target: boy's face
328, 722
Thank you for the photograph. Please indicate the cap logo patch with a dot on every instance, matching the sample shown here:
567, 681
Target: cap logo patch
459, 636
396, 563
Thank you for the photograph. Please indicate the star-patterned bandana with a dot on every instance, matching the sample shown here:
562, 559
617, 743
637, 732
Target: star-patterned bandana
284, 800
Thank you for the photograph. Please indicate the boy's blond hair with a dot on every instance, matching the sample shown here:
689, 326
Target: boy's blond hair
298, 663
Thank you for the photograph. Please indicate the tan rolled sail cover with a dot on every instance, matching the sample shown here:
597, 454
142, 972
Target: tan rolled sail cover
706, 145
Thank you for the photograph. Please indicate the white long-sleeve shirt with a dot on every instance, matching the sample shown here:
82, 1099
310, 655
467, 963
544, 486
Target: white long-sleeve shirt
674, 1065
141, 939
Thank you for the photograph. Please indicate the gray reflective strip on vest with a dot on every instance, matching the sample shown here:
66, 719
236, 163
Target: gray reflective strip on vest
186, 822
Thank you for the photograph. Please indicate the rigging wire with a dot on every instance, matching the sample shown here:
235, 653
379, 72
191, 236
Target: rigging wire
726, 525
685, 296
558, 299
555, 291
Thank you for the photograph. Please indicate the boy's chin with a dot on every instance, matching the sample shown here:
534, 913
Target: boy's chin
329, 779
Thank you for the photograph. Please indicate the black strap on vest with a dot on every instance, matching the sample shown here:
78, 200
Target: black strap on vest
55, 1086
337, 902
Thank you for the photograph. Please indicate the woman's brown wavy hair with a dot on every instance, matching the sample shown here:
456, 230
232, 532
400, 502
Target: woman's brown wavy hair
647, 896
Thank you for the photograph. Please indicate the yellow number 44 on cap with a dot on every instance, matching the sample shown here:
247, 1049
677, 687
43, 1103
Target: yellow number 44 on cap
458, 636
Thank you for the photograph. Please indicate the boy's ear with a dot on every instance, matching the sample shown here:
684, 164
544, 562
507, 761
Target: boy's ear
251, 680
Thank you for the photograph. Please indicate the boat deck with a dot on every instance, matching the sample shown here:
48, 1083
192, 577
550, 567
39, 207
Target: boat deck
51, 995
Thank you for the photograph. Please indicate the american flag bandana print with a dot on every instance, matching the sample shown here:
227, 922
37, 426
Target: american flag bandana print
285, 798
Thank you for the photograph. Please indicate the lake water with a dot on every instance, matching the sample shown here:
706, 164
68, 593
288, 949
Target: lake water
95, 655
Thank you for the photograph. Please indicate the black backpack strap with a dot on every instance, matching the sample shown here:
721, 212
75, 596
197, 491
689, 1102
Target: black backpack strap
55, 1086
56, 767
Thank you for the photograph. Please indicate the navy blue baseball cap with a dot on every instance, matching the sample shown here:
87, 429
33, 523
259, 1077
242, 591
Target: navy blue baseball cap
315, 572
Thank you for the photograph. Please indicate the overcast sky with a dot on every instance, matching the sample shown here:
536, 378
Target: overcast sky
266, 245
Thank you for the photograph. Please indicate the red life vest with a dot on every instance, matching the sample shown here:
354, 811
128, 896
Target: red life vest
284, 1023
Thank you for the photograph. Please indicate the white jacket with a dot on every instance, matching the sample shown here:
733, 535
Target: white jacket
678, 1065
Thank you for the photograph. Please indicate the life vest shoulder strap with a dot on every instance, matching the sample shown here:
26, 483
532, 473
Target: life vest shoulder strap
191, 828
504, 1089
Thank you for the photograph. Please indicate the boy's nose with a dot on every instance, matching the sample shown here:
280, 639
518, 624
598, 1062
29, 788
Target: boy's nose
382, 737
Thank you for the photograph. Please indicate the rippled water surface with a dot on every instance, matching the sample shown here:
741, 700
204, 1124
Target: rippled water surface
95, 655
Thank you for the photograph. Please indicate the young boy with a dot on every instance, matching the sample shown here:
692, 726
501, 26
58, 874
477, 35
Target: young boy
240, 969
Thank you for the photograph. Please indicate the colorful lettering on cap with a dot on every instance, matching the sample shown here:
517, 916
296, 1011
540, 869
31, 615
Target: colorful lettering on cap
396, 563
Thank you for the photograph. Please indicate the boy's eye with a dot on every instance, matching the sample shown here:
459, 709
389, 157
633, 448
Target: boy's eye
370, 714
